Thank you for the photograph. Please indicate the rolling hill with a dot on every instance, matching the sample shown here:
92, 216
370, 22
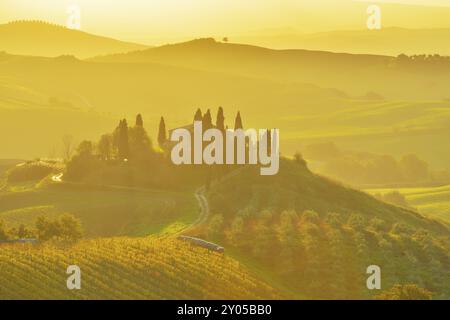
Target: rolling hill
38, 38
319, 236
355, 74
390, 41
125, 268
295, 187
90, 101
287, 229
103, 211
350, 105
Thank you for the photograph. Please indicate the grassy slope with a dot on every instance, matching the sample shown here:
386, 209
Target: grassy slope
160, 269
42, 119
297, 188
294, 187
103, 211
433, 201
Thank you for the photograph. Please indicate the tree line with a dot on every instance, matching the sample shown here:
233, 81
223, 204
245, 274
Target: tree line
65, 228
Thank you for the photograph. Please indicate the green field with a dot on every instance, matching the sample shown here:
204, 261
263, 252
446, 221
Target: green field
103, 211
433, 201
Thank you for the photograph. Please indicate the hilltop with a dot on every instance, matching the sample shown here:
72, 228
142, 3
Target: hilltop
38, 38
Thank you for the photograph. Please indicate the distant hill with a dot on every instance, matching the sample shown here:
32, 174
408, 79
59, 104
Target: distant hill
91, 100
387, 41
45, 39
355, 74
125, 268
363, 102
207, 53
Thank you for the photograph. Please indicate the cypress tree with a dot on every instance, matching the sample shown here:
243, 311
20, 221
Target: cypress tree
162, 137
123, 147
139, 121
207, 120
238, 122
220, 120
198, 115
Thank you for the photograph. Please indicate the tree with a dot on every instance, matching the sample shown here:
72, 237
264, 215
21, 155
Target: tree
310, 216
70, 228
405, 292
3, 232
220, 120
122, 140
46, 229
67, 142
298, 158
162, 137
67, 228
215, 226
85, 149
356, 221
83, 163
198, 115
236, 233
238, 122
207, 120
334, 219
402, 59
140, 145
104, 147
139, 121
23, 232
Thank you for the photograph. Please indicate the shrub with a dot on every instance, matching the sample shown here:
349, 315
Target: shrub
405, 292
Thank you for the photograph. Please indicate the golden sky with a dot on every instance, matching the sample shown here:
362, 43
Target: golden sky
158, 20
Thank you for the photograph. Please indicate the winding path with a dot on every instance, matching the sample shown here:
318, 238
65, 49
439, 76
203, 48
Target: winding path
199, 196
204, 210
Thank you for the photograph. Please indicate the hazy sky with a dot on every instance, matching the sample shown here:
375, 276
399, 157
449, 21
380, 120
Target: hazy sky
155, 20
